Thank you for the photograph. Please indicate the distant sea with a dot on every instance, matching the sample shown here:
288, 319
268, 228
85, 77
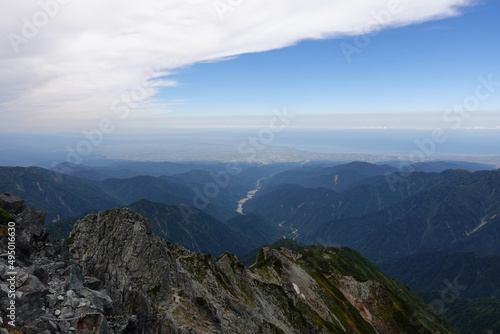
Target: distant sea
393, 142
230, 144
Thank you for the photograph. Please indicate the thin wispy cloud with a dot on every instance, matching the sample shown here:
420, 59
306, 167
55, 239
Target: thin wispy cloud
66, 63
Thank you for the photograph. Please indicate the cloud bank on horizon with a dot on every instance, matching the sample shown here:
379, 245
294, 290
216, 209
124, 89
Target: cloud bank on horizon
67, 64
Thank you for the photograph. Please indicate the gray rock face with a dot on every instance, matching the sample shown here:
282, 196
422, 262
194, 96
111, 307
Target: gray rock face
46, 279
11, 204
173, 290
92, 282
112, 266
30, 233
129, 263
75, 278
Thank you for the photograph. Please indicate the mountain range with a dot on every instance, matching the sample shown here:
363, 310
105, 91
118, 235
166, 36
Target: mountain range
451, 210
428, 228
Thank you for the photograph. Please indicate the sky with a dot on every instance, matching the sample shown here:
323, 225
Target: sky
122, 66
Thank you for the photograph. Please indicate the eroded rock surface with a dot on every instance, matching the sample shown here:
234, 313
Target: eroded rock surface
112, 266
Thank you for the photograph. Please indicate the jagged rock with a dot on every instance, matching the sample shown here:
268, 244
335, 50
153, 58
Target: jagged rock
30, 294
70, 294
129, 227
31, 284
68, 302
53, 325
29, 307
173, 290
67, 312
75, 278
284, 292
51, 301
80, 302
63, 325
21, 277
98, 299
92, 283
11, 204
41, 274
55, 249
44, 273
94, 325
29, 230
40, 326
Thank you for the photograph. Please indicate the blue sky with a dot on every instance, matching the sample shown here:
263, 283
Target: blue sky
426, 67
121, 66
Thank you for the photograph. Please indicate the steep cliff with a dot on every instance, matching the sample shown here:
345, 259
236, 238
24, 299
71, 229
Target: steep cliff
42, 289
112, 266
320, 290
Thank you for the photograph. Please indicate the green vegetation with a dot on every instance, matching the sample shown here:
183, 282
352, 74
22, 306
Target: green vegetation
62, 229
59, 196
469, 316
417, 212
257, 255
71, 238
326, 265
156, 289
472, 304
5, 218
475, 315
254, 230
198, 232
453, 216
477, 275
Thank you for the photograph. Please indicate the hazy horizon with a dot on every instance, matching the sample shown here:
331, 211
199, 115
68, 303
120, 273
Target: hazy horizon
181, 80
252, 145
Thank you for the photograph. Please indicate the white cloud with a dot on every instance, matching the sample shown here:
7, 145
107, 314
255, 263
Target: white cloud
70, 70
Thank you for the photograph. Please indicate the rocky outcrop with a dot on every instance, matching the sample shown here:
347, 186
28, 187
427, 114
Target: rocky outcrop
173, 290
12, 204
30, 234
40, 288
112, 265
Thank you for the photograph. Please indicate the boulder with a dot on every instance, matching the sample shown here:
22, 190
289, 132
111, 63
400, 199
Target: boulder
11, 204
99, 300
92, 283
29, 231
75, 278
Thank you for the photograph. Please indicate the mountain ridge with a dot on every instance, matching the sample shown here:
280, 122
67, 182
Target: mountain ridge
290, 281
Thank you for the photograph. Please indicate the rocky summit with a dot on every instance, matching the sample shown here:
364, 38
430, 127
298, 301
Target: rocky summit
113, 266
